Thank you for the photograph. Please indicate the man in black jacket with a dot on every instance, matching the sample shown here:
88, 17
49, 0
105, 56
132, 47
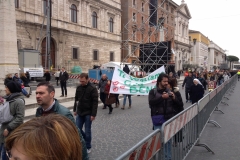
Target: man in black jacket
63, 77
189, 82
85, 107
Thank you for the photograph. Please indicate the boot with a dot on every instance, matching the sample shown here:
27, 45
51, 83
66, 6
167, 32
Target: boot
110, 110
129, 107
116, 105
123, 107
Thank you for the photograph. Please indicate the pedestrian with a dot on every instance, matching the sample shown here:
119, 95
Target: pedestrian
52, 137
196, 91
203, 81
238, 73
162, 103
20, 82
25, 82
63, 77
126, 69
8, 79
220, 78
85, 107
57, 76
45, 93
28, 76
171, 76
179, 73
188, 82
17, 110
101, 86
117, 101
125, 96
110, 98
225, 76
47, 76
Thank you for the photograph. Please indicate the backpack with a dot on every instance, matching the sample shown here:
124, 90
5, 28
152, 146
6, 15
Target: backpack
5, 115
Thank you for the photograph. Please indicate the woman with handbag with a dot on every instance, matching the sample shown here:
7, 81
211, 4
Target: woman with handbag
110, 98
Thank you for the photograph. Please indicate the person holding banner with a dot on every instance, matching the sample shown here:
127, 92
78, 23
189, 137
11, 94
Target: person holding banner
101, 85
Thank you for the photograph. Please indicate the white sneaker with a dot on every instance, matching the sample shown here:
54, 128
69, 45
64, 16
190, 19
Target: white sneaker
89, 150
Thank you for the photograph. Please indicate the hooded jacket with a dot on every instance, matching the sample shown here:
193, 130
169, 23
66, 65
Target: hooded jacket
188, 82
17, 109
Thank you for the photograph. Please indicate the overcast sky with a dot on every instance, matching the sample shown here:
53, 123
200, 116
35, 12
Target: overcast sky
219, 20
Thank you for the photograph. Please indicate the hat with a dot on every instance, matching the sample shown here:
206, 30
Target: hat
14, 87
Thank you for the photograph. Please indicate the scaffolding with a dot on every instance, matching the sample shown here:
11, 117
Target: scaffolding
150, 50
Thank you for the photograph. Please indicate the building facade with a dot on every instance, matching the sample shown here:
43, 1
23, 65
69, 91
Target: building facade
199, 50
84, 32
217, 56
182, 44
136, 28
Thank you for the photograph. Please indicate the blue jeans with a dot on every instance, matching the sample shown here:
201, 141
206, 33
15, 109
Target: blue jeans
129, 99
3, 152
87, 135
167, 146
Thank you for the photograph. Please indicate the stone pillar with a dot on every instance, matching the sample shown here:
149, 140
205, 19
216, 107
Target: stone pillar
8, 39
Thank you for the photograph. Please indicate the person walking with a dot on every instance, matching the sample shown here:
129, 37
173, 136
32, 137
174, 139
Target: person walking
28, 76
110, 98
45, 93
63, 77
117, 101
162, 103
17, 110
188, 82
57, 76
196, 91
47, 76
101, 85
238, 73
85, 108
203, 81
225, 76
8, 79
125, 96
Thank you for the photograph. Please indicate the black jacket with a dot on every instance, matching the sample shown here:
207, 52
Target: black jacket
7, 80
188, 81
86, 100
196, 93
166, 107
47, 76
126, 69
203, 81
63, 76
25, 81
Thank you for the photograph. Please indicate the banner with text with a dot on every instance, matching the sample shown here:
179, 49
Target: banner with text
122, 83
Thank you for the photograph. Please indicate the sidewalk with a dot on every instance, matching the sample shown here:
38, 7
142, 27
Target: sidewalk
223, 141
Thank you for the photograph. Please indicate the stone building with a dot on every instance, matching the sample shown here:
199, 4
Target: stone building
199, 50
136, 29
84, 32
217, 56
182, 44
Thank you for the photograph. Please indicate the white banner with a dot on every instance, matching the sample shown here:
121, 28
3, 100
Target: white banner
34, 72
122, 83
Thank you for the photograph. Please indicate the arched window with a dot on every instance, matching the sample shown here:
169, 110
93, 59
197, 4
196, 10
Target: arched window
73, 13
94, 20
111, 24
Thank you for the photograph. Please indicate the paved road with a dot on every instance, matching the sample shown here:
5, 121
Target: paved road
114, 134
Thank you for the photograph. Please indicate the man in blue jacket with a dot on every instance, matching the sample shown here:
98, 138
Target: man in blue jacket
45, 93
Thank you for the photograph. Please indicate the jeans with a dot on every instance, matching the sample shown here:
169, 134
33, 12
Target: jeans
103, 98
24, 92
63, 87
187, 93
167, 146
3, 152
87, 135
129, 99
117, 99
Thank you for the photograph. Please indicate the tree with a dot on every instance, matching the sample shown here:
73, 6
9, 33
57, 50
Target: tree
232, 59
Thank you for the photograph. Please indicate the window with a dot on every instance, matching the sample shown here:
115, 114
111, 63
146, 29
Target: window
142, 20
134, 35
73, 13
142, 7
167, 7
94, 20
134, 17
133, 49
95, 55
45, 7
134, 2
16, 3
142, 37
111, 24
111, 56
183, 30
74, 53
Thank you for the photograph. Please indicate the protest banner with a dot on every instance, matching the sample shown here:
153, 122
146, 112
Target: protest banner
122, 83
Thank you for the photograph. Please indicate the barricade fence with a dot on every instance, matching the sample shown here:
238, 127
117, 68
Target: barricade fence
182, 132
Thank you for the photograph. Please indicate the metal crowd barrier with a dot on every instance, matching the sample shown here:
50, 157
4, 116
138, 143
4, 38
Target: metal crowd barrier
182, 132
